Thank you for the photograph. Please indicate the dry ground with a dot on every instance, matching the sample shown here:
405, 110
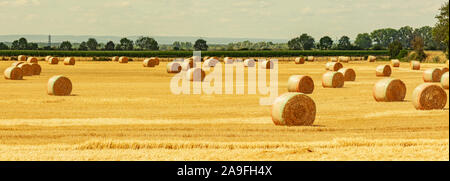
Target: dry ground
127, 112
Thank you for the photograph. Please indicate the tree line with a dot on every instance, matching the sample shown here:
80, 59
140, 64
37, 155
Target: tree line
430, 38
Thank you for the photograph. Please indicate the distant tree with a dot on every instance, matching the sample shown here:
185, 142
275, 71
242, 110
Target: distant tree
65, 45
32, 46
118, 47
426, 33
126, 44
83, 46
147, 43
441, 29
92, 44
344, 43
176, 45
15, 45
295, 44
200, 45
363, 41
3, 46
395, 48
325, 43
418, 46
384, 37
307, 41
405, 36
110, 46
22, 44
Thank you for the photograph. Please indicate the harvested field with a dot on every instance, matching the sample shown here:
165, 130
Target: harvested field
127, 112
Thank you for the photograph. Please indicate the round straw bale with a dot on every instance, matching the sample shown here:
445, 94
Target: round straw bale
228, 60
310, 59
299, 60
32, 60
156, 59
211, 62
415, 65
249, 62
447, 63
343, 59
333, 66
173, 67
293, 109
123, 60
195, 74
333, 80
36, 69
371, 58
443, 70
190, 62
13, 73
444, 80
69, 61
332, 59
187, 65
395, 63
301, 83
59, 86
22, 58
389, 90
429, 96
47, 58
115, 58
205, 58
53, 60
349, 74
267, 64
149, 62
432, 75
383, 71
15, 64
26, 69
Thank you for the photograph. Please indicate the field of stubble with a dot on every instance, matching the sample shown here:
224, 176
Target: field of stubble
127, 112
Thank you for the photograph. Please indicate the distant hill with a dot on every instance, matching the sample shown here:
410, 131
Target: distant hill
104, 39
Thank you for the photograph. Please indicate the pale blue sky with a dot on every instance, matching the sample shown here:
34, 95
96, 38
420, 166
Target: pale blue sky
213, 18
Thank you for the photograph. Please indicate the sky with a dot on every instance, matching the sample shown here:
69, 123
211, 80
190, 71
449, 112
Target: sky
282, 19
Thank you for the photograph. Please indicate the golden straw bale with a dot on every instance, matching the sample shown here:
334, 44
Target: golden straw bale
173, 67
59, 86
333, 80
389, 90
415, 65
444, 80
349, 74
293, 109
301, 83
383, 71
333, 66
69, 61
299, 60
26, 69
429, 96
432, 75
13, 73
